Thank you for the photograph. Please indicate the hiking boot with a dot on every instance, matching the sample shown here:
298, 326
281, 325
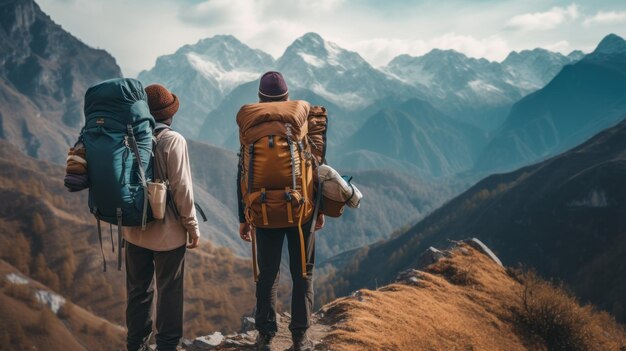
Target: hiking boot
263, 342
301, 342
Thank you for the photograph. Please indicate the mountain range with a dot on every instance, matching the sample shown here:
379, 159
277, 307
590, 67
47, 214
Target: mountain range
583, 99
203, 74
478, 91
475, 91
474, 95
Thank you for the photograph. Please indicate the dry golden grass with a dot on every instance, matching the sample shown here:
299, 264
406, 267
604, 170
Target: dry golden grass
465, 302
26, 324
550, 316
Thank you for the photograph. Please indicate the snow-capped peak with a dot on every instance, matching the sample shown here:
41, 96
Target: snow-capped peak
317, 52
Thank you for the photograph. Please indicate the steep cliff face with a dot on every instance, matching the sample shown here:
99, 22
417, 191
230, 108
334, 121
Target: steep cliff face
44, 74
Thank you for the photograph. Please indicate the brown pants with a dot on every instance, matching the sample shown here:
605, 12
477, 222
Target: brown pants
168, 267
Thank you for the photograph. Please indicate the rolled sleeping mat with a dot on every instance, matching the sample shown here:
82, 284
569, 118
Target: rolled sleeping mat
337, 188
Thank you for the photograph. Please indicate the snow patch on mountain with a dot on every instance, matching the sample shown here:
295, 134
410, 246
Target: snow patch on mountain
17, 279
312, 60
333, 54
227, 80
480, 85
50, 299
348, 100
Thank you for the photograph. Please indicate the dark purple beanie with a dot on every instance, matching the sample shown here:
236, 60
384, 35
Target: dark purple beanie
273, 87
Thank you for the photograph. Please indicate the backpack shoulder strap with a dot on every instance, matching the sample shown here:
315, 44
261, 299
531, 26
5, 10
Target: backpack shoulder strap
158, 129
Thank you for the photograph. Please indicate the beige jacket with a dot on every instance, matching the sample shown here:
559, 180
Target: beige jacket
172, 163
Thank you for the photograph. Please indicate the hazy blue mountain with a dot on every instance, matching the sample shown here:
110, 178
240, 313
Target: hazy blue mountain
477, 90
202, 74
583, 99
44, 74
336, 74
531, 70
417, 133
576, 55
392, 200
562, 217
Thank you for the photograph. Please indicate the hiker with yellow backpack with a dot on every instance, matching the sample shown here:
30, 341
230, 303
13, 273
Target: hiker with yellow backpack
275, 188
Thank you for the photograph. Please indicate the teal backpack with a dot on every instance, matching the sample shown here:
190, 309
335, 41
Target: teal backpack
118, 138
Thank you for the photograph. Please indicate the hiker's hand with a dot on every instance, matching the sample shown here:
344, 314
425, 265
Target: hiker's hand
319, 223
193, 239
245, 231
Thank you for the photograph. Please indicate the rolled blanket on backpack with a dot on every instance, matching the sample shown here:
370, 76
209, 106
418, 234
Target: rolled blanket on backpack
78, 150
76, 178
76, 182
336, 188
74, 167
76, 162
76, 158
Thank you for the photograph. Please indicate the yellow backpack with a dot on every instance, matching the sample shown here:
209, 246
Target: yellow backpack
277, 169
277, 166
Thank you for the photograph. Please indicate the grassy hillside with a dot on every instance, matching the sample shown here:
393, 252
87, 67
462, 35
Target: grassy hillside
467, 302
28, 323
564, 217
47, 234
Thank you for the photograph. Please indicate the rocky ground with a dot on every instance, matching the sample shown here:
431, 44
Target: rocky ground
323, 323
245, 339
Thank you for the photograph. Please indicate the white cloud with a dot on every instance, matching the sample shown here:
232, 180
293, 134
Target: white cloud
221, 12
543, 20
137, 32
380, 51
606, 18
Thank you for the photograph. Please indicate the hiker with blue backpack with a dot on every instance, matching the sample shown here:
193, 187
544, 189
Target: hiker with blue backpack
160, 248
139, 179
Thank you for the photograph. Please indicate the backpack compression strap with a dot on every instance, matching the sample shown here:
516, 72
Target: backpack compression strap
142, 175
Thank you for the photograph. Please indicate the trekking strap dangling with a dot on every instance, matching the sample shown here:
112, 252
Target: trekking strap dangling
200, 211
255, 268
119, 239
111, 233
318, 196
303, 207
104, 260
302, 251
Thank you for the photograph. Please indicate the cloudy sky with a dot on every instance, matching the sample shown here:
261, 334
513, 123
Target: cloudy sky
137, 32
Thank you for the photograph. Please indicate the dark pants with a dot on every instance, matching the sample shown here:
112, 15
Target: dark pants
269, 249
141, 266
